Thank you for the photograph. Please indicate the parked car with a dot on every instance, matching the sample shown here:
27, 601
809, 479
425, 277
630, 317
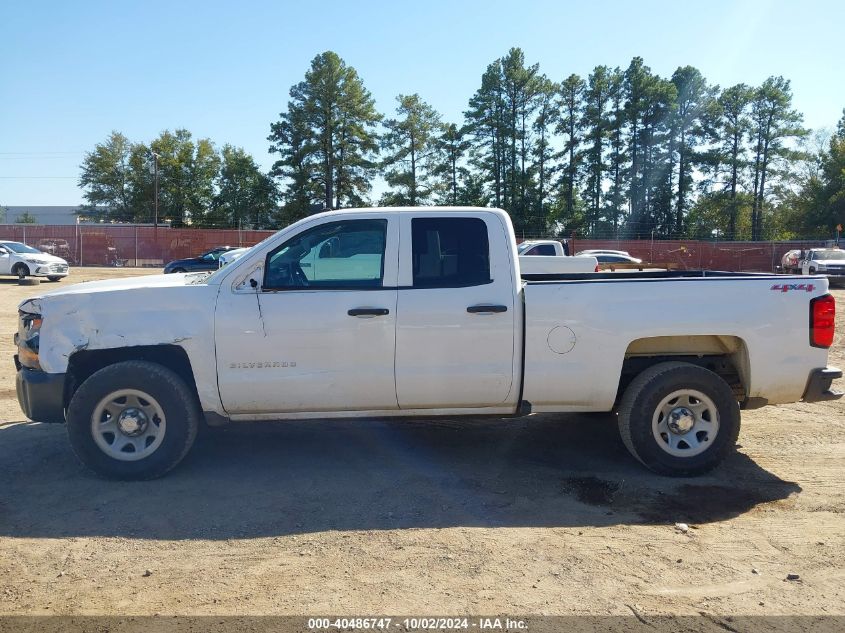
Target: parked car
613, 258
206, 261
229, 256
417, 312
825, 261
16, 258
602, 251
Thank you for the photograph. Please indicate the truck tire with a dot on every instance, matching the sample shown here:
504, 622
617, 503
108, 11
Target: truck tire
679, 419
21, 270
132, 420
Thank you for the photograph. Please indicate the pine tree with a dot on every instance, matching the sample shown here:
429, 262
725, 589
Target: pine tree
649, 109
637, 77
543, 154
734, 124
691, 128
774, 122
327, 135
618, 158
291, 139
595, 121
520, 87
451, 146
485, 123
570, 125
410, 143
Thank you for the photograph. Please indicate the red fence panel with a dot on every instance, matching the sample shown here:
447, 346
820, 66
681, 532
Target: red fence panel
125, 245
693, 254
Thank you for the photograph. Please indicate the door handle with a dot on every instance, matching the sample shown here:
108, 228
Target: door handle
357, 312
486, 309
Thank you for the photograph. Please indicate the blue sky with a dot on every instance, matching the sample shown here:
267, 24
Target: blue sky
73, 71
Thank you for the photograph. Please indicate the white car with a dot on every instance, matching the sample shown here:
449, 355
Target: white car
16, 258
603, 251
414, 311
825, 261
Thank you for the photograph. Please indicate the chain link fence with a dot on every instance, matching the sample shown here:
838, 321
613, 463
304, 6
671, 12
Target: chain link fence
126, 245
143, 245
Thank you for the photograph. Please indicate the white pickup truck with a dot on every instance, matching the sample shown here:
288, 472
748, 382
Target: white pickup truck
549, 257
417, 312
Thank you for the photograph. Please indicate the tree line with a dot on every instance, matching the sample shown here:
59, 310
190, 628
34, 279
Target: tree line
621, 152
197, 183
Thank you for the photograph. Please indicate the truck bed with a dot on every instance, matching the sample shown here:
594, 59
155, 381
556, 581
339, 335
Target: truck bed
582, 327
633, 275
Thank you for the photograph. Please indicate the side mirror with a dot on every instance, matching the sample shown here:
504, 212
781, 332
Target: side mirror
3, 251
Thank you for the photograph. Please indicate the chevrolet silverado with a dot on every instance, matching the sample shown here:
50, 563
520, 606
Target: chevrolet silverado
417, 312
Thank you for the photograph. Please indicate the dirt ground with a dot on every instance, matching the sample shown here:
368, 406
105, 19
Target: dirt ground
544, 515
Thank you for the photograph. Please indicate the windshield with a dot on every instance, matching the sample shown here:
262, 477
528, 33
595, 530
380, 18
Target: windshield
833, 254
524, 247
17, 247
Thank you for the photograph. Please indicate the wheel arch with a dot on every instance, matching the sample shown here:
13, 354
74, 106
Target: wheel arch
84, 363
725, 355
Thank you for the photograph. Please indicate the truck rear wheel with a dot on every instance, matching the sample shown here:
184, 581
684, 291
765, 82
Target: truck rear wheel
132, 420
679, 419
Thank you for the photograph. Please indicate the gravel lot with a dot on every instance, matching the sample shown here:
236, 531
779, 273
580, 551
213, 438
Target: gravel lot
545, 515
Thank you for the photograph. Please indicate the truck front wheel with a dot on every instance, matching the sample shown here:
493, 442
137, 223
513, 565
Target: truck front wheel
132, 420
679, 419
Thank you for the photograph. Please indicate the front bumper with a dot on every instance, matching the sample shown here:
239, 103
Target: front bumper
49, 270
41, 395
818, 385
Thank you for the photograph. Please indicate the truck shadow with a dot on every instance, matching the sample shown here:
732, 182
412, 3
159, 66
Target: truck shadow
272, 479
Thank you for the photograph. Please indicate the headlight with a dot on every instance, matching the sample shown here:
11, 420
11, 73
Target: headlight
821, 267
27, 339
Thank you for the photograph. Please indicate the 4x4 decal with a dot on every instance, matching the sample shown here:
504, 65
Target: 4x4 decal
788, 287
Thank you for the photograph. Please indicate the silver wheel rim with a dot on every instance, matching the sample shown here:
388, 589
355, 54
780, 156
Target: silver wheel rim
685, 423
128, 425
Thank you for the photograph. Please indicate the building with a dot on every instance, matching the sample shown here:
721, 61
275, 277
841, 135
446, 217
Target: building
41, 215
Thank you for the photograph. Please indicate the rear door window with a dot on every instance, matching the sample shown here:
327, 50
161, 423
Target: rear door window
450, 252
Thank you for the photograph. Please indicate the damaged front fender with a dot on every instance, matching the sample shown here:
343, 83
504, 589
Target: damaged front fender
111, 317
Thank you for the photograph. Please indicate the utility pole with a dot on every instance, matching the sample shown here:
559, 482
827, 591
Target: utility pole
155, 172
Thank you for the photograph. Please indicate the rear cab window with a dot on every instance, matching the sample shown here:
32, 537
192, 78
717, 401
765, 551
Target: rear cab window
542, 249
449, 252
